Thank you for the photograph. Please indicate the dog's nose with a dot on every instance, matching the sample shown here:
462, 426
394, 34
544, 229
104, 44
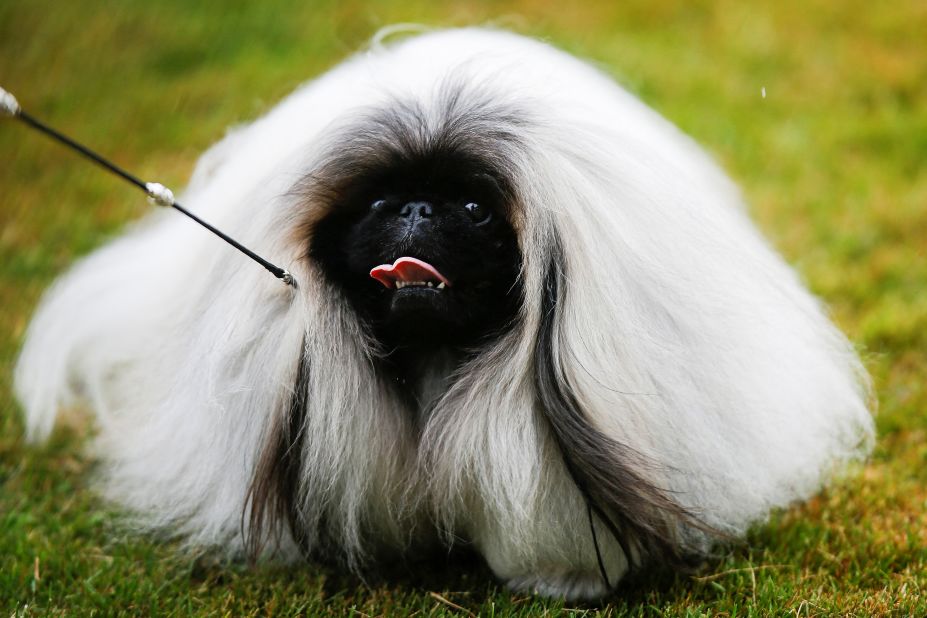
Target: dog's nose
416, 210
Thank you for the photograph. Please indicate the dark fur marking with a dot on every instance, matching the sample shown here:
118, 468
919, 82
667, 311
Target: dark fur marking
643, 518
272, 495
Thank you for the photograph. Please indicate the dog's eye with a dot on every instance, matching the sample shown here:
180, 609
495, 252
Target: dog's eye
378, 205
479, 214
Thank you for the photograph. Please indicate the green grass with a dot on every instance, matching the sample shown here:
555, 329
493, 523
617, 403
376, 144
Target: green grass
832, 161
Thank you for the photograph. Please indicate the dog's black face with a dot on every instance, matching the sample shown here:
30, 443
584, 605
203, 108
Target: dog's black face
423, 251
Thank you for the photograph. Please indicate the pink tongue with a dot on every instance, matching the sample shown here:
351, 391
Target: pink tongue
407, 269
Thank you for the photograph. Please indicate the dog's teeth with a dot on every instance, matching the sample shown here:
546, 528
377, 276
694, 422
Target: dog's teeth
420, 284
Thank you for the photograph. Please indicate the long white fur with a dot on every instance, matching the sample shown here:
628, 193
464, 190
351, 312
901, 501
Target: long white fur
685, 336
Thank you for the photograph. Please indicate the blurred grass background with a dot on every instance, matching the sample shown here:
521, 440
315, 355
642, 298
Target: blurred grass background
832, 162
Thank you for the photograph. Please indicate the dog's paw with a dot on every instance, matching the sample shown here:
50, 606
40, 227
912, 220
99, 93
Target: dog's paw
567, 585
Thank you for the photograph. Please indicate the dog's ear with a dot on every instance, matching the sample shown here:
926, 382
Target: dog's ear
331, 459
272, 505
616, 481
690, 382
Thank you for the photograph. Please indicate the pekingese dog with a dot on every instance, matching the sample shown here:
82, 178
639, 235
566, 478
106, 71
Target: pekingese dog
531, 316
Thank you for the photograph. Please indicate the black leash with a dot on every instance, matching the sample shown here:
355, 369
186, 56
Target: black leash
156, 192
598, 551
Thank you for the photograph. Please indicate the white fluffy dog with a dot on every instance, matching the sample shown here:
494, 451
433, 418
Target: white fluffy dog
531, 316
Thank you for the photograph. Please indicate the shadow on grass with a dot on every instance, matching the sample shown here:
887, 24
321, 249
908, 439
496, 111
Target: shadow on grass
459, 580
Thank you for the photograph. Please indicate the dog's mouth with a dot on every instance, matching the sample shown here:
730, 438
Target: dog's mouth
410, 273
